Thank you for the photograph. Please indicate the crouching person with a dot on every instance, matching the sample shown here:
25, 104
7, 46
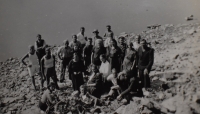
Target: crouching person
129, 86
47, 97
48, 67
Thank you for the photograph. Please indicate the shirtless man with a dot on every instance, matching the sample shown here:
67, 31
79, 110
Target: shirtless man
33, 65
109, 31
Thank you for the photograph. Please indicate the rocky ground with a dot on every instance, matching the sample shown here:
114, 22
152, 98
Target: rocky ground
175, 78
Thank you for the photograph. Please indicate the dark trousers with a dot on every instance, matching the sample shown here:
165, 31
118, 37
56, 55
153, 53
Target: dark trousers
50, 72
145, 80
64, 65
43, 106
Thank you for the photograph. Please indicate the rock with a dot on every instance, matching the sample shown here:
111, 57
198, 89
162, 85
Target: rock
169, 76
75, 94
146, 111
23, 73
161, 96
196, 98
155, 78
176, 56
169, 104
184, 109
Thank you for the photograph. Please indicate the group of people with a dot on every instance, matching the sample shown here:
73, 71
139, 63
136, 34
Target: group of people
105, 65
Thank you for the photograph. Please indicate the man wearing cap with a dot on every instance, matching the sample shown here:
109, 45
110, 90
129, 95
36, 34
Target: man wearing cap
108, 32
81, 37
96, 35
65, 55
40, 47
145, 62
74, 42
136, 43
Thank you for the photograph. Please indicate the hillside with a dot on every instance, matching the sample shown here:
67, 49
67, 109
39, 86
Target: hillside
175, 77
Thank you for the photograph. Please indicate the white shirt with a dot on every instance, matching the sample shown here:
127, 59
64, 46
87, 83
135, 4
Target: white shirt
105, 69
136, 46
81, 38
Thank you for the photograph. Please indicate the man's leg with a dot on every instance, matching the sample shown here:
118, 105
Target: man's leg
141, 78
63, 68
47, 75
31, 72
54, 77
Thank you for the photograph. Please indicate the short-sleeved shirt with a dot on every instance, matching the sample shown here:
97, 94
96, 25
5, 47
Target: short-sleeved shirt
65, 52
72, 44
81, 38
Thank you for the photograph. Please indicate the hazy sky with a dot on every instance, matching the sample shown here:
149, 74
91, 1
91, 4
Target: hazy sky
56, 20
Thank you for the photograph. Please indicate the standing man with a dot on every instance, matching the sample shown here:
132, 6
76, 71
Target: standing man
75, 42
81, 37
65, 55
145, 62
96, 36
108, 32
48, 67
40, 45
123, 46
33, 65
87, 52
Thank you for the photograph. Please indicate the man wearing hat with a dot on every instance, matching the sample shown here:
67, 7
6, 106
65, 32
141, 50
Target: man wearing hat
108, 32
96, 35
145, 62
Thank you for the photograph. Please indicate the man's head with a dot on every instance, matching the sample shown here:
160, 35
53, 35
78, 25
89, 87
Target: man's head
103, 58
108, 27
74, 37
48, 51
95, 32
66, 43
143, 43
82, 29
121, 40
98, 43
31, 49
130, 44
137, 38
39, 37
82, 89
75, 57
75, 47
95, 69
51, 86
114, 71
90, 41
113, 43
124, 75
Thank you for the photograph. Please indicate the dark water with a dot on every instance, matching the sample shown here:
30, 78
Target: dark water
56, 20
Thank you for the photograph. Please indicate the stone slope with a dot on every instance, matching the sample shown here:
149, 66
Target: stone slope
175, 76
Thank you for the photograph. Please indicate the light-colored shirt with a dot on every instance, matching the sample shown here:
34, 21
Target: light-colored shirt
105, 69
136, 46
33, 59
72, 44
81, 38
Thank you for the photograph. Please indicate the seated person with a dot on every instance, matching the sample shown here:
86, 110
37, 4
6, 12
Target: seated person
94, 82
47, 97
128, 85
87, 99
113, 78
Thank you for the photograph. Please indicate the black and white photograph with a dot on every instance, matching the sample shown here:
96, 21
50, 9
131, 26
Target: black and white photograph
99, 56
